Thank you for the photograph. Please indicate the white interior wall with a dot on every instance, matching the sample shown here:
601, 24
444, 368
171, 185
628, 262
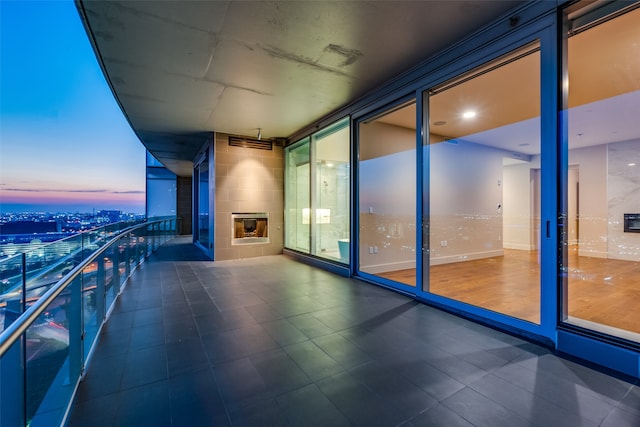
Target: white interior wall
603, 184
519, 206
387, 197
465, 202
603, 188
592, 207
623, 190
573, 192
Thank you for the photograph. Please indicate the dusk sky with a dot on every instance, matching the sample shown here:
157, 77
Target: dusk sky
65, 146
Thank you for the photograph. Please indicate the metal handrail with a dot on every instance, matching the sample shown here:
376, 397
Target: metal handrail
12, 333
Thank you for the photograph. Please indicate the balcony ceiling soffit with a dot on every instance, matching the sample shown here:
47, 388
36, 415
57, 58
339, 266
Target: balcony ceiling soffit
185, 68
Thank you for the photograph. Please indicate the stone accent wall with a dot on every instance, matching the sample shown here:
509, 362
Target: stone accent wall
247, 180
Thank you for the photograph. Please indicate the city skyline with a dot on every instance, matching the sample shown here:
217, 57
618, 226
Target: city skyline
65, 145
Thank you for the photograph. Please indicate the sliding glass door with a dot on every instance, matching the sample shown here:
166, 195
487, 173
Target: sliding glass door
483, 201
298, 197
387, 195
202, 203
317, 193
602, 171
332, 177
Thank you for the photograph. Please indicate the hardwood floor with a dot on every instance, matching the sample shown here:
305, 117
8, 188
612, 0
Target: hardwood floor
603, 291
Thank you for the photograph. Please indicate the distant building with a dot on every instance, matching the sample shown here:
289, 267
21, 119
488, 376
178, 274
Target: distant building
114, 216
30, 227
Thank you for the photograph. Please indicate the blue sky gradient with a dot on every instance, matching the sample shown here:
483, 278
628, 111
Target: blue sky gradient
65, 145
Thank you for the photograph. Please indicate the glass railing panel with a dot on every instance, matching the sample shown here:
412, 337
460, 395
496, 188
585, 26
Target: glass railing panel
51, 371
94, 240
159, 234
10, 290
133, 249
92, 301
124, 245
12, 386
43, 366
111, 275
46, 265
141, 243
151, 238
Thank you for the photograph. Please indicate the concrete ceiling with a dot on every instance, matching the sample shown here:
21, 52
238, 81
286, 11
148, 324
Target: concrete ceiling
182, 69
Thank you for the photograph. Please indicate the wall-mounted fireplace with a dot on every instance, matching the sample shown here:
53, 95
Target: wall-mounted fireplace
248, 228
632, 223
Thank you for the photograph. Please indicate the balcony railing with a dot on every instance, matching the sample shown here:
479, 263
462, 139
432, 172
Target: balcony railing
53, 302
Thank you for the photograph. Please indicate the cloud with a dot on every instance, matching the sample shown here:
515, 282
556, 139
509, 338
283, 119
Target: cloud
62, 190
49, 190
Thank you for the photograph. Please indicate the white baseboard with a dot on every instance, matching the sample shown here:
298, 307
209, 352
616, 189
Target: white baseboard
392, 266
519, 246
593, 254
466, 257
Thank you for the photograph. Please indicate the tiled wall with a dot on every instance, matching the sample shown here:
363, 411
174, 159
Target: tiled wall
247, 180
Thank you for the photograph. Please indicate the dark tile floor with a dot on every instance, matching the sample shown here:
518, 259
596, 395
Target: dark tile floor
270, 341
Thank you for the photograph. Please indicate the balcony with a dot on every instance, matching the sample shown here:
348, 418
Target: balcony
270, 341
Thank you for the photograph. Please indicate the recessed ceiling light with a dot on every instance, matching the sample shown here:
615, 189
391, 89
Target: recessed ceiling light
631, 164
469, 114
439, 123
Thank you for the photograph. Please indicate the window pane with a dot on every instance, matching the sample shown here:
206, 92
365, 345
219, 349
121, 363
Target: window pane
297, 197
203, 203
484, 173
331, 198
161, 197
602, 242
387, 197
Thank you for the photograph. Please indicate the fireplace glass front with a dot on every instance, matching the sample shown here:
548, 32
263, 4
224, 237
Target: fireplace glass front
249, 228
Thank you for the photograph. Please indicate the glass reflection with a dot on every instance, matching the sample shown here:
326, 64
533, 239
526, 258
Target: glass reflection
484, 197
298, 199
387, 195
602, 242
203, 202
331, 196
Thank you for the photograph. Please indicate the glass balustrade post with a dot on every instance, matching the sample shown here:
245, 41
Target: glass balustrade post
23, 297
